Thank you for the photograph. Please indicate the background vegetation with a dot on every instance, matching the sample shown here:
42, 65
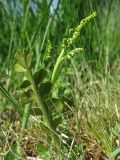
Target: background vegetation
86, 92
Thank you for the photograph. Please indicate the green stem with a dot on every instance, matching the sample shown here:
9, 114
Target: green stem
44, 108
57, 66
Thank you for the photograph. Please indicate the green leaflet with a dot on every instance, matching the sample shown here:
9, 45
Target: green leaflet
40, 75
19, 68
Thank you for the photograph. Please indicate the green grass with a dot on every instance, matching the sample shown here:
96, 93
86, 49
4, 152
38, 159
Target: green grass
65, 103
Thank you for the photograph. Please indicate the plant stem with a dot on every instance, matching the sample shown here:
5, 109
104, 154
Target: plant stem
57, 67
43, 107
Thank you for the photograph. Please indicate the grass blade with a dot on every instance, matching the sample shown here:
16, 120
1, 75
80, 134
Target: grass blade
114, 154
8, 96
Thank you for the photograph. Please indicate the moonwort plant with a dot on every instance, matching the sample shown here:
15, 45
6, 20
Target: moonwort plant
67, 43
37, 89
